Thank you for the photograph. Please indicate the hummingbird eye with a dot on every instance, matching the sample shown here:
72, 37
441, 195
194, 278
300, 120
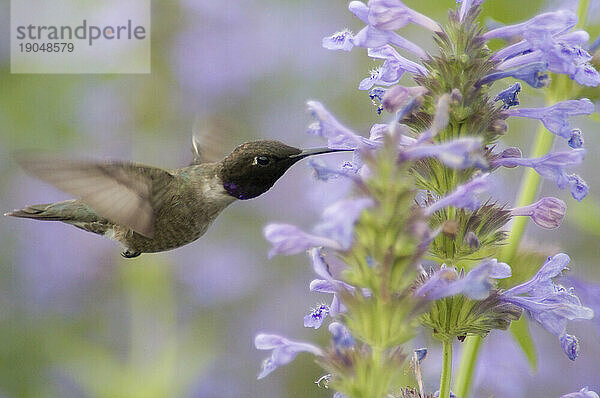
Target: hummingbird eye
262, 160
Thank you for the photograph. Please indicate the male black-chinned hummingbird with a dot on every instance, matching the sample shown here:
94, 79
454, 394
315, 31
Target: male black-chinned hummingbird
147, 209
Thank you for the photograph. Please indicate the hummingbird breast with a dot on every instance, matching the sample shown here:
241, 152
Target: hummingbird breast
191, 204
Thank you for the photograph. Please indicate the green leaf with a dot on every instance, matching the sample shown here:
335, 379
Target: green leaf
520, 331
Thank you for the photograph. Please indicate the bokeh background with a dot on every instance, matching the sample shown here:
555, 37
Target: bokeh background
77, 320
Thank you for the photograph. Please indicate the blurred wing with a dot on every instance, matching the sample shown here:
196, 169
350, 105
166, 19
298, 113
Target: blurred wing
125, 193
207, 141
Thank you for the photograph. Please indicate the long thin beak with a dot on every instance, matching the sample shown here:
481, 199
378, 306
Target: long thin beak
316, 151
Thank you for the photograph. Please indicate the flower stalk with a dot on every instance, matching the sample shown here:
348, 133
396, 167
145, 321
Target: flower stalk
528, 189
446, 369
417, 245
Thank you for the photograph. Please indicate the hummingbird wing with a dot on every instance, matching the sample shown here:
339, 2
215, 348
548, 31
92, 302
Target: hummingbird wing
207, 141
125, 193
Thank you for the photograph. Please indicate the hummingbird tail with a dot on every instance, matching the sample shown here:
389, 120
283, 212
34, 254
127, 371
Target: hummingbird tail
39, 212
69, 211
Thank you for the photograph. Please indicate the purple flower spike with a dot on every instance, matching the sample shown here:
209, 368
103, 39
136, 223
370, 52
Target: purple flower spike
288, 239
342, 339
464, 196
550, 23
583, 393
552, 166
338, 136
342, 40
316, 317
284, 351
547, 212
570, 345
393, 15
555, 117
371, 37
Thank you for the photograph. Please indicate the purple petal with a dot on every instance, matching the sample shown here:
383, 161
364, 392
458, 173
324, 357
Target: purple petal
288, 239
542, 283
583, 393
316, 317
339, 218
547, 23
337, 135
342, 40
284, 351
464, 196
465, 6
579, 188
397, 61
393, 15
555, 117
342, 339
586, 75
268, 341
552, 166
570, 345
437, 285
455, 153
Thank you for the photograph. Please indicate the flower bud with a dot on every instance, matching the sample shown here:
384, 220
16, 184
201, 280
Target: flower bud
472, 240
547, 212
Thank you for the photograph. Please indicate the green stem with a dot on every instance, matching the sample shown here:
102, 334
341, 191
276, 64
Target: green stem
446, 369
582, 12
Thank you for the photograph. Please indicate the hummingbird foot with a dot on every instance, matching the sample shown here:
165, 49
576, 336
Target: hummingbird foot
129, 254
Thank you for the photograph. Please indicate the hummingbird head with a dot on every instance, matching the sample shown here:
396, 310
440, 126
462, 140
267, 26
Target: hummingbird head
252, 168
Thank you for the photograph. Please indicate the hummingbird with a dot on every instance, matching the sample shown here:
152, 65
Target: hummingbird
148, 209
